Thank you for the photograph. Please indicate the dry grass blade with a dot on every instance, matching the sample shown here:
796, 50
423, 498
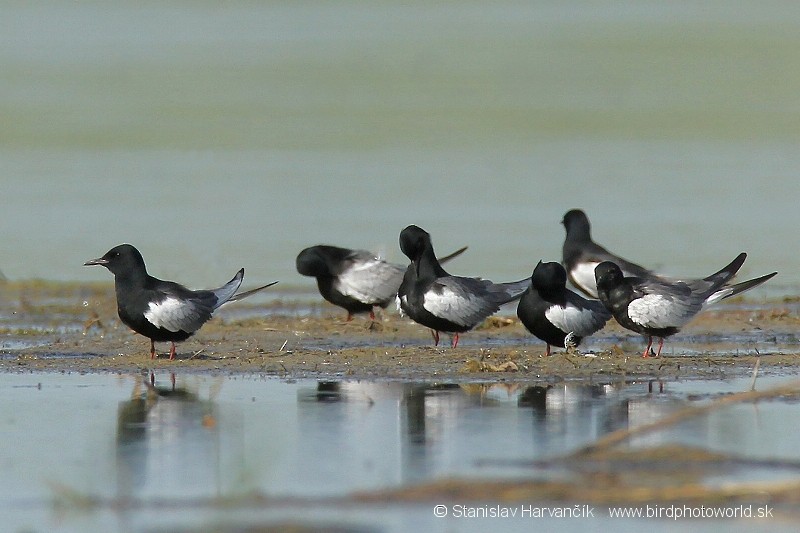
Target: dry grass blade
622, 435
755, 374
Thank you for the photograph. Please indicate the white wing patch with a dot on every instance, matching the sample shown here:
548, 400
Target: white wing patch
173, 315
581, 322
583, 276
453, 306
370, 281
657, 311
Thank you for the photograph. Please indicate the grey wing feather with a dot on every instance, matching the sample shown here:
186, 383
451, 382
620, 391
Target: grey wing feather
227, 291
465, 301
369, 279
665, 305
245, 294
183, 310
584, 317
731, 290
178, 314
446, 258
514, 289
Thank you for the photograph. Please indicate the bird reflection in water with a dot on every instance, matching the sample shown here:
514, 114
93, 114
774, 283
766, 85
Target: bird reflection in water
423, 418
168, 440
329, 391
561, 411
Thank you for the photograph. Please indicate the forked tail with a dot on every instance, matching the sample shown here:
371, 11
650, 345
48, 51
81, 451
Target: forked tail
245, 294
721, 277
227, 293
732, 290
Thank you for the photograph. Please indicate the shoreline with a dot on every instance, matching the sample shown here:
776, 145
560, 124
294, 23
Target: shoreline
77, 331
64, 327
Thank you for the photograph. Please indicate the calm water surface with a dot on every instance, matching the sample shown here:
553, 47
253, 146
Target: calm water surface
105, 436
215, 136
220, 135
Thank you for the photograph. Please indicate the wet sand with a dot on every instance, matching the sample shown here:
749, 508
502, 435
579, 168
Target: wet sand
74, 328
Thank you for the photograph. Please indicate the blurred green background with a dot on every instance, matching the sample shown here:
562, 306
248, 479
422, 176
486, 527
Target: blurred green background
215, 135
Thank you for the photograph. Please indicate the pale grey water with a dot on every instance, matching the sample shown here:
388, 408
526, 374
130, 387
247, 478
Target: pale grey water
154, 462
220, 135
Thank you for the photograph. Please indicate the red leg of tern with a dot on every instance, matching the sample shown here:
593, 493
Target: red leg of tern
647, 350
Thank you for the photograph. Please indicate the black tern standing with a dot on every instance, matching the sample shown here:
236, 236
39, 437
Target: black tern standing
356, 280
581, 255
660, 308
444, 303
162, 311
554, 313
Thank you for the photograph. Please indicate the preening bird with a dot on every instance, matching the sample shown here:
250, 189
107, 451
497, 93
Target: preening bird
581, 255
442, 302
355, 280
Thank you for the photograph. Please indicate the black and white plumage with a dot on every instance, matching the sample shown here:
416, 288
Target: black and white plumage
162, 311
452, 304
356, 280
660, 308
580, 255
554, 313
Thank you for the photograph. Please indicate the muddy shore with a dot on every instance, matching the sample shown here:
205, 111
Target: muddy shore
72, 328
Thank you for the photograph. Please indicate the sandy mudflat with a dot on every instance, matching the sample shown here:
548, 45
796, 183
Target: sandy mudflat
65, 327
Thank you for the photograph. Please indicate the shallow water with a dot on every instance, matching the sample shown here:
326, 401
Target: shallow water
215, 136
218, 135
159, 456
